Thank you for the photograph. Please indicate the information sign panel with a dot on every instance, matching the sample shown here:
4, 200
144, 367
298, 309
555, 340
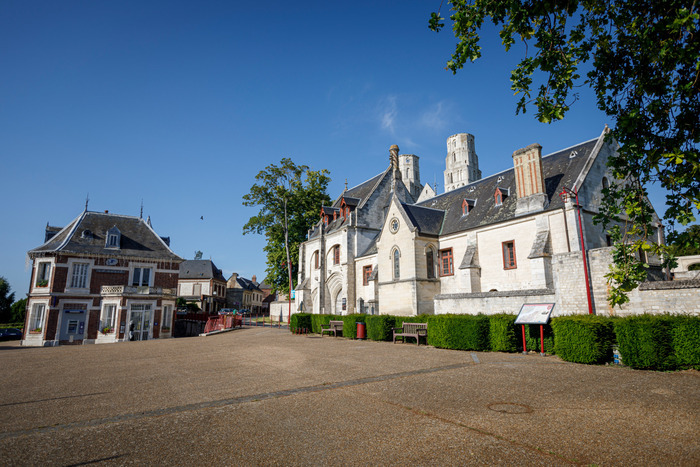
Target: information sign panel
535, 313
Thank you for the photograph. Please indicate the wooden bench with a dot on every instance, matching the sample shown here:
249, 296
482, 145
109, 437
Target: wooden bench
415, 330
332, 327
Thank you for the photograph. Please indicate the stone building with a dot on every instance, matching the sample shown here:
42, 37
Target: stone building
201, 282
244, 294
485, 245
102, 278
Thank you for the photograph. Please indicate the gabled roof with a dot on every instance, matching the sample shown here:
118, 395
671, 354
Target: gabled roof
200, 269
560, 169
427, 220
86, 235
247, 284
364, 190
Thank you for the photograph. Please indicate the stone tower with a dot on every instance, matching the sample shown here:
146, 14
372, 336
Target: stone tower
410, 174
461, 163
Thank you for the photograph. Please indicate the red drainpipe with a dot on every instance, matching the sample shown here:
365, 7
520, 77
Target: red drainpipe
565, 194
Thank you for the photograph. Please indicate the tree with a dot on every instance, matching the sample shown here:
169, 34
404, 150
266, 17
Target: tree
686, 243
18, 311
643, 62
289, 197
6, 299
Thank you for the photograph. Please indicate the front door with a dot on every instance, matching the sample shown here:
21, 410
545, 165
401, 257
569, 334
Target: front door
72, 325
140, 323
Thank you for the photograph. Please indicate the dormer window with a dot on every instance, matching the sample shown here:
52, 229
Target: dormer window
467, 206
499, 195
113, 239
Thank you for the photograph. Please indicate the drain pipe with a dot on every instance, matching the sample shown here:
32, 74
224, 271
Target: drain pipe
565, 194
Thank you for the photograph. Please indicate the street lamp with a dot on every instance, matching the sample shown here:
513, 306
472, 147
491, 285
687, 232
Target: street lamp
565, 194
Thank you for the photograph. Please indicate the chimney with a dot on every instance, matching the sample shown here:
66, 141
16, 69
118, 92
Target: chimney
255, 279
529, 180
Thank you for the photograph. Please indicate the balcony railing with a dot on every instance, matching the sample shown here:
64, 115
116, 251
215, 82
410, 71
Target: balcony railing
112, 290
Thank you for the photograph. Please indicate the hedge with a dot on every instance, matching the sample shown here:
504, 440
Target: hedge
502, 334
459, 332
686, 341
300, 321
646, 341
379, 327
350, 324
583, 338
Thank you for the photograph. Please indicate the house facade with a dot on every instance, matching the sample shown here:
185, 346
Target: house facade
102, 278
244, 294
486, 245
201, 282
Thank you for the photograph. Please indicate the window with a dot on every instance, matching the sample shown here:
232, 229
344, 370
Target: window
113, 240
336, 254
43, 274
430, 263
397, 269
79, 276
142, 276
37, 318
606, 184
167, 316
509, 255
467, 205
315, 259
108, 314
446, 264
366, 274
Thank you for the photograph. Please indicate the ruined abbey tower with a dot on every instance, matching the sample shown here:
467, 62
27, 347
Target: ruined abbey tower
461, 163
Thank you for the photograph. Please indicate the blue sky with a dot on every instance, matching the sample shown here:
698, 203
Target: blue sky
181, 104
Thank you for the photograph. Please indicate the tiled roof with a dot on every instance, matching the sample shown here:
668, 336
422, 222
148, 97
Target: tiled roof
428, 220
559, 169
200, 269
86, 235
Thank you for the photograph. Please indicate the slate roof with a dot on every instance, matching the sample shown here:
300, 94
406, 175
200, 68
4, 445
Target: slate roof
247, 284
428, 220
200, 269
85, 235
559, 169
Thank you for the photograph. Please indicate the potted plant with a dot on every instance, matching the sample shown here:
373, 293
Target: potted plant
42, 283
35, 331
165, 329
107, 329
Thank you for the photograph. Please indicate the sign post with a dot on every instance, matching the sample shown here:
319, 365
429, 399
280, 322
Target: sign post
534, 313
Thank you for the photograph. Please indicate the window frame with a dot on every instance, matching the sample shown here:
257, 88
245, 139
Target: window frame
446, 253
513, 264
140, 268
396, 263
44, 275
430, 262
336, 254
79, 280
366, 274
104, 320
33, 321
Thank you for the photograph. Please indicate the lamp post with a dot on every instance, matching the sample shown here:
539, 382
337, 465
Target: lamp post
565, 194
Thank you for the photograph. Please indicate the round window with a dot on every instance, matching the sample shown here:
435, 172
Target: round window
394, 225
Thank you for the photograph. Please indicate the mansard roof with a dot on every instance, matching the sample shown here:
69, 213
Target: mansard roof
200, 269
560, 169
85, 236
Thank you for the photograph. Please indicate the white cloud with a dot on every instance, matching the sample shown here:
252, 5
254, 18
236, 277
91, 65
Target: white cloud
389, 111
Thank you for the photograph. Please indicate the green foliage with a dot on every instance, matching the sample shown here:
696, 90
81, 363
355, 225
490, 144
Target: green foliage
18, 311
686, 341
350, 324
289, 197
300, 321
379, 327
583, 338
646, 341
6, 300
644, 70
686, 243
318, 320
502, 335
532, 338
459, 332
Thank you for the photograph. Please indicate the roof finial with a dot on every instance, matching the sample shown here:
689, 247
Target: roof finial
346, 184
87, 198
141, 215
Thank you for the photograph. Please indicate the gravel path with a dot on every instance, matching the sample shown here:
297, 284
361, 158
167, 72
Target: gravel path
261, 396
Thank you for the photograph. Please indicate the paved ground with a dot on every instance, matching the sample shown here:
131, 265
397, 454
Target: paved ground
265, 397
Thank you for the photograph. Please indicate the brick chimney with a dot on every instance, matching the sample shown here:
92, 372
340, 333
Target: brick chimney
529, 180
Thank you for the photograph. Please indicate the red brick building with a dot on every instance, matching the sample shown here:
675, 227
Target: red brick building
102, 278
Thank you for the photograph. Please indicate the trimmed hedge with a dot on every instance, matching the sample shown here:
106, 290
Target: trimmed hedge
350, 324
459, 332
379, 327
300, 321
583, 338
686, 341
646, 341
532, 338
502, 336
